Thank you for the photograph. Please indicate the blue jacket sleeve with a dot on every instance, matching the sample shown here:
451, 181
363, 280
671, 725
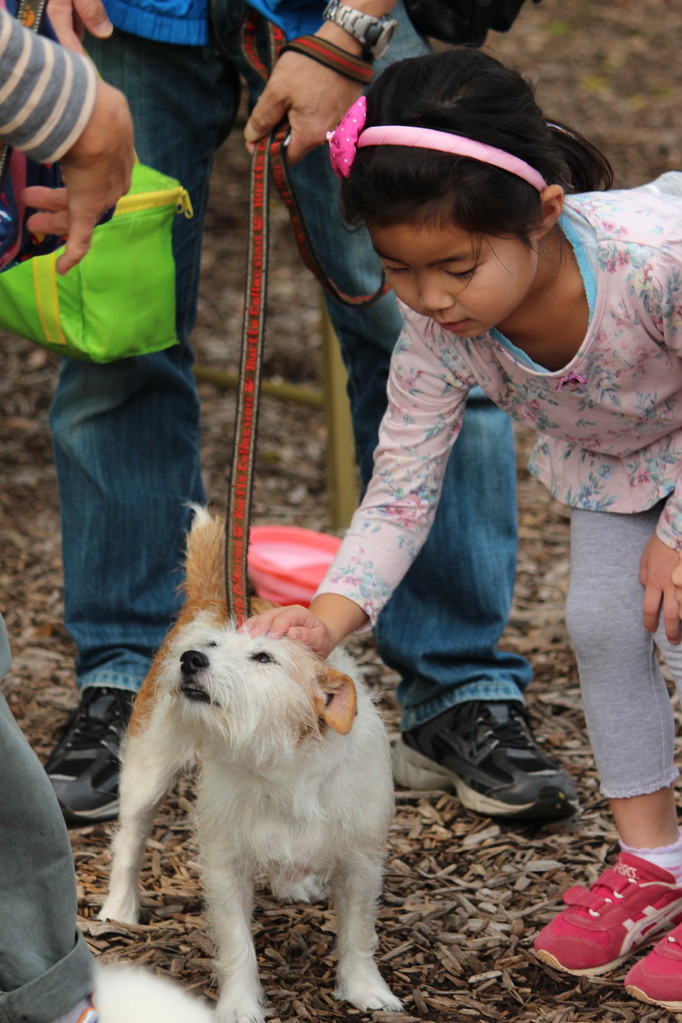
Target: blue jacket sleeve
295, 17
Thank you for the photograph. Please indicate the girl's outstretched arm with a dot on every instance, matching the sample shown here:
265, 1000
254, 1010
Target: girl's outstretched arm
328, 620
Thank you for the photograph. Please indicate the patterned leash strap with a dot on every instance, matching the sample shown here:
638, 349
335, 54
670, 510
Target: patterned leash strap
269, 159
30, 13
248, 391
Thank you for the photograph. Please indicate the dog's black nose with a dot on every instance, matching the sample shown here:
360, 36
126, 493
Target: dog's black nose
192, 661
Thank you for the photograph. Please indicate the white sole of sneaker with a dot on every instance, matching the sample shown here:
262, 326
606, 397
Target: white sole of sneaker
413, 770
638, 993
594, 971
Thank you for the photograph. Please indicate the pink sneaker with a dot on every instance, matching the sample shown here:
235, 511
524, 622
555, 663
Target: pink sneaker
657, 978
625, 908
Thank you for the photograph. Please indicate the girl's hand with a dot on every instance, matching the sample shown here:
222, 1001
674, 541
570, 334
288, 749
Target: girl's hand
657, 566
294, 622
677, 581
328, 620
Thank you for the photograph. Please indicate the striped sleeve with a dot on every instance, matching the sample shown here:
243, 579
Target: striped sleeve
46, 92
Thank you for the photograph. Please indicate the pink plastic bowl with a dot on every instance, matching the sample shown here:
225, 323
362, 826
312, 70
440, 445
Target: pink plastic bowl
287, 564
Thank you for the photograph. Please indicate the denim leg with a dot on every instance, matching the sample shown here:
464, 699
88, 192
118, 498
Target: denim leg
442, 626
441, 629
45, 965
126, 435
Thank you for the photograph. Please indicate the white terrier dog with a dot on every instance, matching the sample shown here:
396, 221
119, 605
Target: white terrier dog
294, 785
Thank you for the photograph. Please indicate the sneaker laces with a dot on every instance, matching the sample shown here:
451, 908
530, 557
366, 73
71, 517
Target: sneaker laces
608, 889
82, 728
671, 946
512, 732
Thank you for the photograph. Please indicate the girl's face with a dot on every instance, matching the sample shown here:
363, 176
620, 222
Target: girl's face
467, 283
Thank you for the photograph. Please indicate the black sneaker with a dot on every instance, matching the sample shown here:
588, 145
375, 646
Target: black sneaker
84, 766
485, 751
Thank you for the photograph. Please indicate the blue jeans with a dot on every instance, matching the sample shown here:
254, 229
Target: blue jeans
126, 435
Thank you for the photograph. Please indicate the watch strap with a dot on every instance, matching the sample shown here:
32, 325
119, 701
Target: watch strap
363, 27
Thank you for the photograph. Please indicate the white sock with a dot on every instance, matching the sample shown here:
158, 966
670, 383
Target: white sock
83, 1012
668, 857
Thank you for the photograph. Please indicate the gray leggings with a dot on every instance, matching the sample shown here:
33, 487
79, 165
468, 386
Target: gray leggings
627, 706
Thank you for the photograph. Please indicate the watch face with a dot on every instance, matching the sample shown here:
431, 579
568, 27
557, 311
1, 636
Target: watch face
378, 37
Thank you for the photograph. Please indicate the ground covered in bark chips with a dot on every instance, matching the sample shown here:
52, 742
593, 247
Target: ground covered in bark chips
464, 895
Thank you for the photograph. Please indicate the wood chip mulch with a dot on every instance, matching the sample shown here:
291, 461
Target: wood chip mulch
464, 895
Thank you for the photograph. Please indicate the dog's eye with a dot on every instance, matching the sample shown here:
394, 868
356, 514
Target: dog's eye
212, 643
263, 657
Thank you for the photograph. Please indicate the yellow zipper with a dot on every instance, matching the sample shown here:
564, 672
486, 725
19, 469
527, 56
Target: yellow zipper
151, 200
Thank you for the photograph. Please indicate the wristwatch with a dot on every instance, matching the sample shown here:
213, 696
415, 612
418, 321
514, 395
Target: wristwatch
374, 33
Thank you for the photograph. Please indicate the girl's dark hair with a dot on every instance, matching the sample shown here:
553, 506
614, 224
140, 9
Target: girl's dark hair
465, 92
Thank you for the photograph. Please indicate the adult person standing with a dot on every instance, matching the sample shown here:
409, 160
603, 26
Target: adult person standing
126, 435
51, 106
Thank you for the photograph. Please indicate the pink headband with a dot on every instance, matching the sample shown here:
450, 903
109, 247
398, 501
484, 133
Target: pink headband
349, 137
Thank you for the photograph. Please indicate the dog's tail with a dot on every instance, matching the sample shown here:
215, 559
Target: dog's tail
205, 558
130, 994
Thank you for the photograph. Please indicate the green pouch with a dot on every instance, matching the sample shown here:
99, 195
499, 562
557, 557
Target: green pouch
120, 299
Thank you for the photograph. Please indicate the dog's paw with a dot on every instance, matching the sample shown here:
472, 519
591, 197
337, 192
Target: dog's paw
307, 888
367, 990
249, 1012
123, 911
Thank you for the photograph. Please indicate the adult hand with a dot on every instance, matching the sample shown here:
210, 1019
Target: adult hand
96, 172
313, 98
71, 18
657, 567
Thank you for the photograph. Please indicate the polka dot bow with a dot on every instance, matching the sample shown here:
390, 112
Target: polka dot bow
343, 142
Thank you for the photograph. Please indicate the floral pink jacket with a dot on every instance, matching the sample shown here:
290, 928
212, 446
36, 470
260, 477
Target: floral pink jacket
609, 423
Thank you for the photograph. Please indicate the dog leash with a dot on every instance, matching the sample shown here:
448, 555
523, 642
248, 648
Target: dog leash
268, 161
248, 391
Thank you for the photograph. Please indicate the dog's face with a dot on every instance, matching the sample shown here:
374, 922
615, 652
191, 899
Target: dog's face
261, 698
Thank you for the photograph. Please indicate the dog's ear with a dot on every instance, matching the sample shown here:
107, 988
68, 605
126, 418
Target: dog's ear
337, 703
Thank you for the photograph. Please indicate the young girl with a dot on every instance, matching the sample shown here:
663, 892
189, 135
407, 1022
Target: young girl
516, 272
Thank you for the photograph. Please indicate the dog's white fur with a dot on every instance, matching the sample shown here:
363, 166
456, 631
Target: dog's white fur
130, 994
294, 783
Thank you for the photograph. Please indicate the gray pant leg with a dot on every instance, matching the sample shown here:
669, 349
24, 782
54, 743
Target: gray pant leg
627, 707
45, 965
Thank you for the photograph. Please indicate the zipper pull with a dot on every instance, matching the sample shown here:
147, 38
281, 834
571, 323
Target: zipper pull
184, 204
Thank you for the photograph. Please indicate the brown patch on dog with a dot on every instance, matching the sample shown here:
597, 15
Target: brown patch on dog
257, 605
339, 705
204, 590
146, 697
205, 560
205, 563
